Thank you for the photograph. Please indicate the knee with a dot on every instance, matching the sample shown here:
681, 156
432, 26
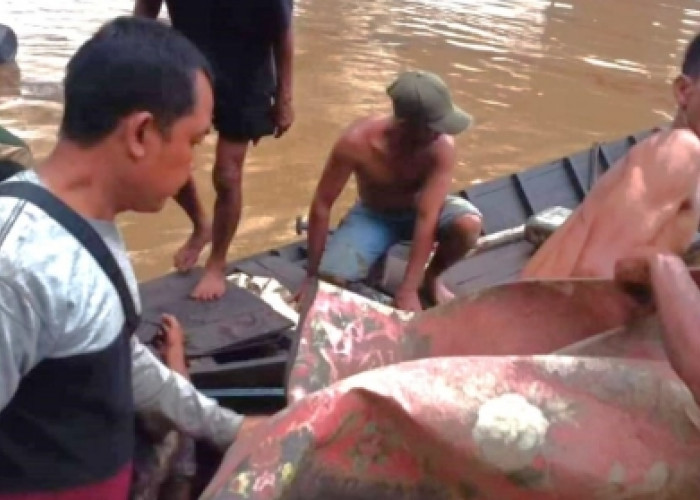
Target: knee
227, 177
465, 230
343, 262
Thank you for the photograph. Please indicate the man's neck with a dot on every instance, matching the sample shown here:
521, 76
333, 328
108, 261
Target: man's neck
400, 141
76, 175
680, 120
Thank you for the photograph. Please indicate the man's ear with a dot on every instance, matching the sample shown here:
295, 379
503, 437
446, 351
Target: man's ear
137, 128
681, 90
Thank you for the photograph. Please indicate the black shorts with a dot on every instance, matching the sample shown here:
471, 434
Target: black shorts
243, 113
237, 37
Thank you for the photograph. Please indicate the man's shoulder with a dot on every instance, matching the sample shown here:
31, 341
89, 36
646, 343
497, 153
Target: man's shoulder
678, 140
442, 153
32, 243
444, 144
667, 149
357, 137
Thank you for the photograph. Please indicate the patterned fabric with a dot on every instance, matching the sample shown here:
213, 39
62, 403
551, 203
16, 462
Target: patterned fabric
603, 416
344, 333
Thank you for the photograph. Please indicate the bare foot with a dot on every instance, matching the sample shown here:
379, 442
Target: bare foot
186, 257
211, 286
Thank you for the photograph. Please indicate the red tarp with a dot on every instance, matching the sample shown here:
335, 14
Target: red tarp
603, 418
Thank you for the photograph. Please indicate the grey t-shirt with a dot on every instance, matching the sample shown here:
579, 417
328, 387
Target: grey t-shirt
55, 301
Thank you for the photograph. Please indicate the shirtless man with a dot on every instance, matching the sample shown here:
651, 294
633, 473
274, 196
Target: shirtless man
650, 199
403, 165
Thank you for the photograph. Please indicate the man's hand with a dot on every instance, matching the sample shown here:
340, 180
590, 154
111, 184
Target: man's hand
170, 343
407, 300
633, 271
303, 291
283, 116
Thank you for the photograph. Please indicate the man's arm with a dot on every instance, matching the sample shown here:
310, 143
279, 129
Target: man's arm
148, 8
283, 51
157, 388
678, 303
336, 173
430, 203
21, 347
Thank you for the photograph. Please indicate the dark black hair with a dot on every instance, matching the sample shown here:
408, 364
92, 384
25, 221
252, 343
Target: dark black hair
691, 61
130, 64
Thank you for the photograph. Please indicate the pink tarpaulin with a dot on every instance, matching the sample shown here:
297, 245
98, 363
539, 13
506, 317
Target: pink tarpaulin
602, 416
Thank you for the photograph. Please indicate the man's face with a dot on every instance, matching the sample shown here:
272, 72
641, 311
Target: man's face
687, 93
164, 161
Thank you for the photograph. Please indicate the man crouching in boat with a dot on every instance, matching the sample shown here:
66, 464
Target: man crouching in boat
650, 199
138, 98
403, 165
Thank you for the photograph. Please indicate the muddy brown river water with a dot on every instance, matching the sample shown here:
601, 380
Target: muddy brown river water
542, 79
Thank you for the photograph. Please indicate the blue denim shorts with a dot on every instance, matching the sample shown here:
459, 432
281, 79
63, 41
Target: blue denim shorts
365, 235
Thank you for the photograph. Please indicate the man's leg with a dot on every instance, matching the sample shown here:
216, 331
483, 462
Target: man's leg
459, 230
186, 257
227, 177
356, 245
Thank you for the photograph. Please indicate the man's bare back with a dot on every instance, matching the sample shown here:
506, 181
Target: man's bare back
650, 201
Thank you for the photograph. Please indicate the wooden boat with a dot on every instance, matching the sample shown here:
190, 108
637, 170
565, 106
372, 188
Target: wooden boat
245, 368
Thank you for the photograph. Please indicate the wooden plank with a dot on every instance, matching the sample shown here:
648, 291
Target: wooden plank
490, 268
236, 318
252, 267
269, 371
290, 274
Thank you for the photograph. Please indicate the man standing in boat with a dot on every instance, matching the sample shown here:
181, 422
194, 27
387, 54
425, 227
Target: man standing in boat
250, 45
403, 165
648, 202
72, 374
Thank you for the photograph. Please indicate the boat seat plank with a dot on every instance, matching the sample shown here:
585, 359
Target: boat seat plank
233, 321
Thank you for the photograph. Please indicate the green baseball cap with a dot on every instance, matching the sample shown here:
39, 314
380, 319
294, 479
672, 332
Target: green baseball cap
420, 96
